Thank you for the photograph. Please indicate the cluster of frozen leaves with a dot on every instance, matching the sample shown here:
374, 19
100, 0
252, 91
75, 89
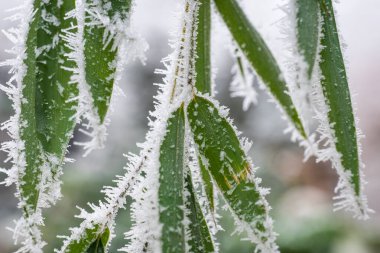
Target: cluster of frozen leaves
193, 153
55, 83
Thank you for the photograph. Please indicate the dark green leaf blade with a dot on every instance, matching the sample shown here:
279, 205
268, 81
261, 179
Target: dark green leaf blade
55, 105
307, 23
202, 58
100, 52
337, 95
260, 57
29, 190
91, 241
99, 245
208, 185
218, 143
200, 239
171, 180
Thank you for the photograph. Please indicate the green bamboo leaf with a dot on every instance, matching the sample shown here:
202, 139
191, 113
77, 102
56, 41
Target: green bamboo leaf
171, 180
99, 245
208, 185
91, 241
29, 190
202, 58
259, 56
228, 165
307, 22
55, 106
47, 114
337, 95
200, 238
100, 67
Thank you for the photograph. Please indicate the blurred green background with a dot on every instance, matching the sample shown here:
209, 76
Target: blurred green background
301, 194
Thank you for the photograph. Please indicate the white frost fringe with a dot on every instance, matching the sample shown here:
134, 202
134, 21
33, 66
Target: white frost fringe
129, 47
308, 96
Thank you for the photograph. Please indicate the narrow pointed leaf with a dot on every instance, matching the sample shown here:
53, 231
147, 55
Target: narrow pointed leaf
31, 175
200, 240
307, 23
260, 57
100, 51
171, 180
228, 165
202, 58
337, 95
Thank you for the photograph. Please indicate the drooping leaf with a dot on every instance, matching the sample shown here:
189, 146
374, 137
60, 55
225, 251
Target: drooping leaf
101, 48
200, 240
202, 51
337, 95
307, 23
231, 170
171, 180
260, 57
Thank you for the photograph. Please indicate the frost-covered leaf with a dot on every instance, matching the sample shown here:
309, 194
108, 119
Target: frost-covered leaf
260, 57
200, 240
102, 44
55, 105
100, 49
307, 23
44, 118
341, 125
171, 180
202, 50
99, 246
208, 185
230, 168
92, 241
